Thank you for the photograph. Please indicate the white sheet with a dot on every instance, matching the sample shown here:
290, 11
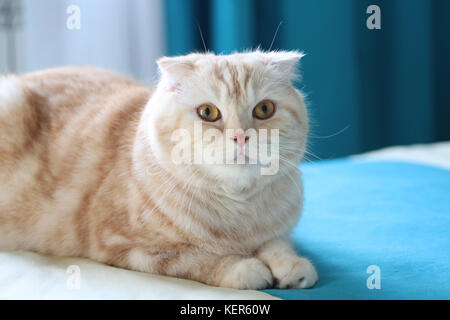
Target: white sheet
25, 275
435, 154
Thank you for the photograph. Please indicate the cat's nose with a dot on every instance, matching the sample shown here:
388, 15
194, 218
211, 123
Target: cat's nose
241, 139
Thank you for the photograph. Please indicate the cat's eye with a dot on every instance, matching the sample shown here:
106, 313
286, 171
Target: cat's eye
209, 112
264, 110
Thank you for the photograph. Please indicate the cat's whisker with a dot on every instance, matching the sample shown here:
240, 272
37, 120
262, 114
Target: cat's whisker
312, 135
188, 184
275, 35
290, 176
158, 203
196, 189
173, 183
201, 36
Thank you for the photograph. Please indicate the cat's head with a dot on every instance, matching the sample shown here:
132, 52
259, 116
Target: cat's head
234, 101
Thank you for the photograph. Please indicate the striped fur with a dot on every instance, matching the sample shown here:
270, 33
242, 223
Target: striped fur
85, 171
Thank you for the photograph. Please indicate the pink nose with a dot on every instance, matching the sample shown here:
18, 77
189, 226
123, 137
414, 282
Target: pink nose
241, 139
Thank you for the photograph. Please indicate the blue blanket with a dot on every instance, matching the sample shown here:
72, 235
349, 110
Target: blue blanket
379, 225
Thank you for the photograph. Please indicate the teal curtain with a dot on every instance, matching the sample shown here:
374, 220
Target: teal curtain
365, 89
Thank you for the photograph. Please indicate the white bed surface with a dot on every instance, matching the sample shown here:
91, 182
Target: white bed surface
435, 154
25, 275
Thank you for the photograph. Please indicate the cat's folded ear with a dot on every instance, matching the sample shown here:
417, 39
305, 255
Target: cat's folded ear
176, 67
174, 70
285, 62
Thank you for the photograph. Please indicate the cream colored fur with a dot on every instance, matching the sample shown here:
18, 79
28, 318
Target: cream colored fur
86, 170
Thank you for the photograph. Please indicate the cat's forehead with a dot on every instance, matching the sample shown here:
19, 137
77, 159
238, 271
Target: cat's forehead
230, 77
237, 57
235, 75
237, 62
281, 60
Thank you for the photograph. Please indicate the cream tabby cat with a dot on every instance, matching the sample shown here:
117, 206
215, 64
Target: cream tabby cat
86, 170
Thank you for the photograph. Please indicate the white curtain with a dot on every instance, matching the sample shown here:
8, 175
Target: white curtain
121, 35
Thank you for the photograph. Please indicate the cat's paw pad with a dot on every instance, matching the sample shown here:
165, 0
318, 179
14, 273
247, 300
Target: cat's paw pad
249, 273
295, 273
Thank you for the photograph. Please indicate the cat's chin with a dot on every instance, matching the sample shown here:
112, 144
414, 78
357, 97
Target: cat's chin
237, 176
236, 170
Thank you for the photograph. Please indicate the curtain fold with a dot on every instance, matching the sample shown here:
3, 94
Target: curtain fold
366, 89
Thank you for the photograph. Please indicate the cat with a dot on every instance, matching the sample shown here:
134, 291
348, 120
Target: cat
86, 170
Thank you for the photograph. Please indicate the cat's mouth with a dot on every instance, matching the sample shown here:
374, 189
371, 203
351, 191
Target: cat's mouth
244, 160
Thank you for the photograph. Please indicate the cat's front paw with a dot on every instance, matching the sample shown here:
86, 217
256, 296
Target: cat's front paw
248, 273
294, 272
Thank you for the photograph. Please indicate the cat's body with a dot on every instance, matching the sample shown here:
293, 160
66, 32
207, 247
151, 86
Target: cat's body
84, 172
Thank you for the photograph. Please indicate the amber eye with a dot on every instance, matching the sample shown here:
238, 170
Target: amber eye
208, 112
264, 110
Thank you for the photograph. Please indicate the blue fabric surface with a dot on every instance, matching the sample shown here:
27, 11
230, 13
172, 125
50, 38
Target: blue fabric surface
389, 214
